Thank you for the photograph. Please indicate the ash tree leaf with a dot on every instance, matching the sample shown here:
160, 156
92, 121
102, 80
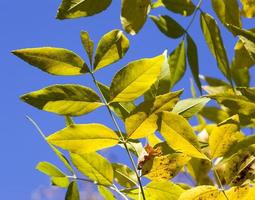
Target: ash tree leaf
183, 7
248, 34
111, 48
88, 45
192, 56
136, 78
243, 192
84, 138
214, 114
248, 8
248, 92
142, 121
177, 63
227, 11
105, 193
224, 136
214, 41
168, 26
94, 166
189, 107
55, 61
66, 99
179, 135
72, 192
124, 175
70, 9
134, 15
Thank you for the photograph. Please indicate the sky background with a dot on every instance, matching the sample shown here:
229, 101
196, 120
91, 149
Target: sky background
30, 23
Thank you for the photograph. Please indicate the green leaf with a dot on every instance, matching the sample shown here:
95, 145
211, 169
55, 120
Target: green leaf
227, 11
143, 119
214, 114
121, 109
94, 166
50, 169
248, 8
189, 107
183, 7
136, 78
179, 135
84, 138
248, 92
124, 175
214, 81
177, 63
192, 56
134, 14
55, 61
224, 136
214, 41
111, 48
106, 193
88, 45
168, 26
72, 192
66, 99
70, 9
250, 35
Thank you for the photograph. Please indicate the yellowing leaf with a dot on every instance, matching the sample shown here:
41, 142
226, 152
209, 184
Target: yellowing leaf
49, 169
135, 79
179, 135
248, 8
177, 63
134, 14
94, 166
70, 9
214, 114
168, 26
214, 41
111, 48
224, 136
66, 99
72, 192
143, 119
105, 193
245, 192
88, 45
55, 61
84, 138
183, 7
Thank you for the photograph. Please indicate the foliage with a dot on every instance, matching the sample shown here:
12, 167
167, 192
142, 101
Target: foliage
214, 153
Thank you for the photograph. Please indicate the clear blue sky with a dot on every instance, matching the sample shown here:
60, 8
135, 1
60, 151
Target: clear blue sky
32, 23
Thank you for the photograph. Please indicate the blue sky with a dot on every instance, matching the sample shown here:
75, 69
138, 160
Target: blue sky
32, 24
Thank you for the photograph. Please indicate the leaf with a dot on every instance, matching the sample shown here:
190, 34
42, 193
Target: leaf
111, 48
106, 193
134, 14
189, 107
94, 166
192, 56
156, 4
224, 136
49, 169
227, 11
143, 119
202, 193
88, 45
55, 61
157, 190
62, 182
70, 9
244, 192
214, 81
135, 79
121, 109
168, 26
179, 135
214, 114
248, 92
183, 7
177, 63
66, 99
124, 175
214, 41
84, 138
248, 8
72, 192
250, 35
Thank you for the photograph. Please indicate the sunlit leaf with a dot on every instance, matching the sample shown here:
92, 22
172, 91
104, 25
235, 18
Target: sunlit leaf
88, 45
244, 192
183, 7
157, 4
70, 9
248, 34
55, 61
168, 26
106, 193
111, 48
84, 138
62, 182
134, 14
248, 8
66, 99
214, 114
248, 92
136, 78
143, 119
72, 192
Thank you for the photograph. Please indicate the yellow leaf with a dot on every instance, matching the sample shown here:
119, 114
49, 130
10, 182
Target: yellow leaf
248, 8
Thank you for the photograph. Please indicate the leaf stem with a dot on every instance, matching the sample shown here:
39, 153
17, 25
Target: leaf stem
120, 133
219, 182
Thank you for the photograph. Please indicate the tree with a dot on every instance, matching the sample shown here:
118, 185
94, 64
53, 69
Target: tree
217, 143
